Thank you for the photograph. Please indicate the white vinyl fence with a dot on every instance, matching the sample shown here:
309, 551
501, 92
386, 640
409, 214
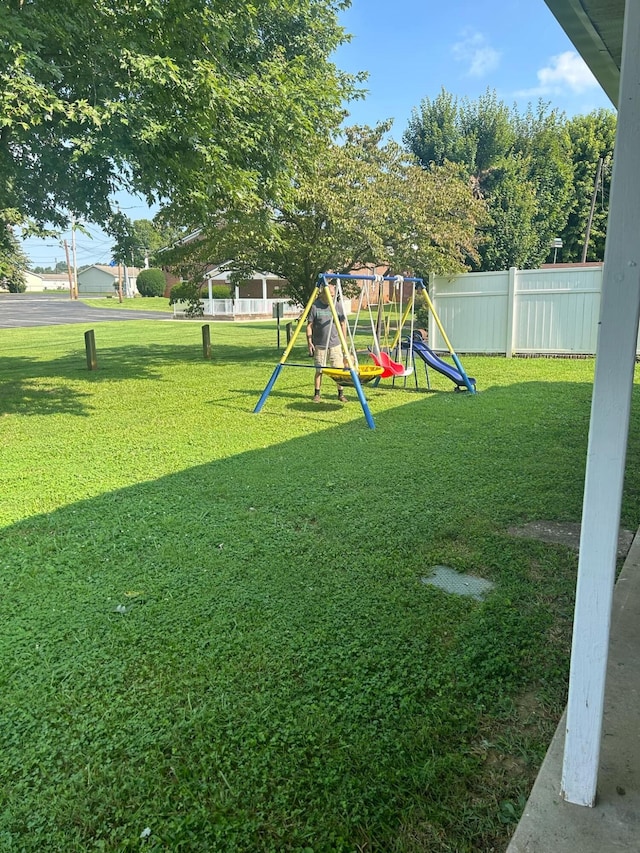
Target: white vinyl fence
547, 311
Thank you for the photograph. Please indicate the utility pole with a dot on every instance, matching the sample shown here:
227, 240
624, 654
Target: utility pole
593, 207
66, 251
119, 282
73, 254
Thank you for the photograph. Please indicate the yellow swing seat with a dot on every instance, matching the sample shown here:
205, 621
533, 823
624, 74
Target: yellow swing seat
341, 375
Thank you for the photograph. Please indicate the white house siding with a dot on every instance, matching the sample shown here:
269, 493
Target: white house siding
103, 281
95, 281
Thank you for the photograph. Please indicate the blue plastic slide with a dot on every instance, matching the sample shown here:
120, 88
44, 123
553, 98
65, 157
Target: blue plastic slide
432, 360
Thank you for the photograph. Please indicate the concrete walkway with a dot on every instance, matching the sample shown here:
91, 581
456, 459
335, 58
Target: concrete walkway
550, 825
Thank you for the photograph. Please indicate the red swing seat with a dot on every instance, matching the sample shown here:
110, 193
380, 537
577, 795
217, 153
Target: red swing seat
388, 365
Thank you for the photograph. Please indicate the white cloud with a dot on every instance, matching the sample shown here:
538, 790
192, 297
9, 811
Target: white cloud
565, 72
476, 53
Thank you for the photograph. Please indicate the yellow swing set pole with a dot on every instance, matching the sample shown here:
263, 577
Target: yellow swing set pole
439, 324
345, 351
285, 354
334, 315
301, 322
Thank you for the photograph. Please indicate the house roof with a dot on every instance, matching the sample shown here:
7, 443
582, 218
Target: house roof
595, 28
132, 271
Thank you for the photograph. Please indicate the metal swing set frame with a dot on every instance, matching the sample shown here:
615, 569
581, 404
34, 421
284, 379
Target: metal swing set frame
355, 374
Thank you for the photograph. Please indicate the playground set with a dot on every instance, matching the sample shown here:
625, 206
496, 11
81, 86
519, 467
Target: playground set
395, 343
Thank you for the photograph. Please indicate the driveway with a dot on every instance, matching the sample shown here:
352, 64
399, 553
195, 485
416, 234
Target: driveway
44, 309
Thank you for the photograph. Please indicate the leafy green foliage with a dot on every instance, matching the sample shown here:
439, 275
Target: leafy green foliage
520, 164
151, 282
191, 293
141, 240
221, 291
366, 202
592, 137
13, 261
182, 101
545, 146
216, 628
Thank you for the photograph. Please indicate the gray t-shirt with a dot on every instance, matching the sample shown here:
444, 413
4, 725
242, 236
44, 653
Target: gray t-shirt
324, 332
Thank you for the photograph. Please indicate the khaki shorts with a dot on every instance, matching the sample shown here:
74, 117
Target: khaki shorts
333, 355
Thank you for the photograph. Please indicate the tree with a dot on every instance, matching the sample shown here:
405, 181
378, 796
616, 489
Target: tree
186, 102
592, 137
366, 202
521, 166
511, 239
141, 240
543, 144
13, 262
475, 134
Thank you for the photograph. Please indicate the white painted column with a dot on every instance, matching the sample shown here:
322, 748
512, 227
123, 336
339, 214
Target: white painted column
608, 432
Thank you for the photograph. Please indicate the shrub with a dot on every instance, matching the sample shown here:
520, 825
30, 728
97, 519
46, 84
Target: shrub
16, 285
221, 291
187, 291
151, 282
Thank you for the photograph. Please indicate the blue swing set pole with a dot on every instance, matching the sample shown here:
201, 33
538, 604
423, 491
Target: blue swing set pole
285, 354
363, 400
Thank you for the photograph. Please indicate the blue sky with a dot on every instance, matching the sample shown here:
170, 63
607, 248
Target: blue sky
411, 49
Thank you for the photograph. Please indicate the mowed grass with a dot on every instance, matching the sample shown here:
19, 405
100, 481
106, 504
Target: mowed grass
214, 634
147, 303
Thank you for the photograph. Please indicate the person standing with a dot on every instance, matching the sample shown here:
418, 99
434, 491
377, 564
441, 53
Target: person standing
323, 340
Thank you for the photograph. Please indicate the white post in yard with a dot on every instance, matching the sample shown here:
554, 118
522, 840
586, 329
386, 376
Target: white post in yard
264, 294
608, 432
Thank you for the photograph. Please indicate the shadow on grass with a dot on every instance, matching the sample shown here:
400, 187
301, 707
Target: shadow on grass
242, 656
28, 386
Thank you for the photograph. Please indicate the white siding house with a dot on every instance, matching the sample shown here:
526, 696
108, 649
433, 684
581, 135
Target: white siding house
102, 280
37, 282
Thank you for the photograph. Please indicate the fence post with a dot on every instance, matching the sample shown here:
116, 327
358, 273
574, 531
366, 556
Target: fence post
288, 329
206, 341
90, 348
511, 311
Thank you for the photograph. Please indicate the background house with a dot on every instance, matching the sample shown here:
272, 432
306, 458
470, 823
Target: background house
37, 282
102, 280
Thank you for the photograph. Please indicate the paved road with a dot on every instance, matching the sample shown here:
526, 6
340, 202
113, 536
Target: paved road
44, 309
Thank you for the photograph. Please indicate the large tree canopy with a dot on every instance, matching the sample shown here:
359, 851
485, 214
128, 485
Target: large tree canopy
366, 202
521, 166
592, 139
193, 103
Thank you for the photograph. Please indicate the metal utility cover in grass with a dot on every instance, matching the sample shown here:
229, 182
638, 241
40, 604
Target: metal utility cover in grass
451, 581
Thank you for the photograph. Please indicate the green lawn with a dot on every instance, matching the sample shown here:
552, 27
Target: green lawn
213, 624
147, 303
